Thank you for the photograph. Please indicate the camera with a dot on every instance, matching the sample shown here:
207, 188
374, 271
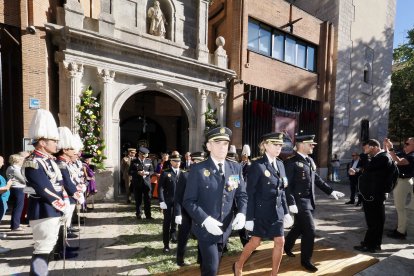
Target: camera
31, 29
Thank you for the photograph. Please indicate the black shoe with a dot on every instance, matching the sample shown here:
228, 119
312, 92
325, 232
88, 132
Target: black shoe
309, 266
71, 235
68, 255
72, 248
166, 250
364, 248
289, 253
397, 235
358, 204
182, 263
350, 202
139, 217
73, 230
149, 218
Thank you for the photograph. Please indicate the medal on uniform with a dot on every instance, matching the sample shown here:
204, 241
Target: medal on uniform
233, 182
285, 182
267, 173
206, 173
300, 164
169, 175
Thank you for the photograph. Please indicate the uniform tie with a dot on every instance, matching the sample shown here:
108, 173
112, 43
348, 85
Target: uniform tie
308, 160
221, 169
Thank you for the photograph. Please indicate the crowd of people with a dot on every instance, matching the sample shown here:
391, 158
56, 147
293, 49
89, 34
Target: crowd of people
44, 187
205, 194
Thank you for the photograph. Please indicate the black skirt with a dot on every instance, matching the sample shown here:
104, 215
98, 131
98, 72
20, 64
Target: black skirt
267, 229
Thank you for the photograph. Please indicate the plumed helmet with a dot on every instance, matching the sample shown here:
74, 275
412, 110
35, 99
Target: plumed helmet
43, 125
232, 149
246, 150
78, 145
66, 140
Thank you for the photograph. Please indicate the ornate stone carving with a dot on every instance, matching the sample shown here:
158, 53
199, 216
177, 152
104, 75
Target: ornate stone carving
73, 69
158, 21
106, 75
220, 97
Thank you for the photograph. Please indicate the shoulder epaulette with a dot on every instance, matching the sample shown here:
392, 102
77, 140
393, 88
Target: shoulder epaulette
30, 163
62, 165
257, 158
289, 157
231, 160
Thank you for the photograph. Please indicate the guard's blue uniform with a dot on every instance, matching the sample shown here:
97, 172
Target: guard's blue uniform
208, 194
141, 185
267, 204
302, 178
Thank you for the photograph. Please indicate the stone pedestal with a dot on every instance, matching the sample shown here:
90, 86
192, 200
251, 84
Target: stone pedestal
105, 185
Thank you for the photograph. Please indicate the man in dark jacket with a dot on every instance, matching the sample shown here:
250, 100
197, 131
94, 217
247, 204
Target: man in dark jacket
300, 194
212, 187
354, 171
372, 185
141, 170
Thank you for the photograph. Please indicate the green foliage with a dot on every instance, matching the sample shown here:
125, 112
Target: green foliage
401, 123
89, 122
211, 118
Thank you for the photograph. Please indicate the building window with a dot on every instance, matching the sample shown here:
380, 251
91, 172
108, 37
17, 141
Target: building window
279, 45
367, 73
364, 130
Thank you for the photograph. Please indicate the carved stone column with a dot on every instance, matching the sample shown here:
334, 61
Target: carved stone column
220, 98
201, 122
70, 90
202, 19
106, 78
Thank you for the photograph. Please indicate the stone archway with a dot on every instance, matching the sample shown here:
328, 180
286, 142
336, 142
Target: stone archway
120, 100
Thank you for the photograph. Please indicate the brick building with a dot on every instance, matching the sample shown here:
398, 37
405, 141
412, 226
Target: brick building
302, 64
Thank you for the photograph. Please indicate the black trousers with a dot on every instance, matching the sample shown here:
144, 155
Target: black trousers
210, 255
375, 218
305, 227
183, 235
168, 225
142, 191
353, 182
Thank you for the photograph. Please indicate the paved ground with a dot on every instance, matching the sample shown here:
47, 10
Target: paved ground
338, 225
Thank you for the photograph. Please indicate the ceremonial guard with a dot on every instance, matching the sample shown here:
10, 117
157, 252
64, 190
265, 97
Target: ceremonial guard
64, 156
166, 192
182, 218
212, 187
44, 187
141, 170
125, 164
300, 193
267, 210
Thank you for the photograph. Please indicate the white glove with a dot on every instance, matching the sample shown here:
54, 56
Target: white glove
249, 225
79, 197
287, 221
238, 222
178, 220
387, 195
163, 205
212, 226
293, 209
337, 195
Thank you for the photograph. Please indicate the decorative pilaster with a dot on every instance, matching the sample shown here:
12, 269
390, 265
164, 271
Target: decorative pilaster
106, 78
220, 98
202, 108
106, 19
70, 94
202, 19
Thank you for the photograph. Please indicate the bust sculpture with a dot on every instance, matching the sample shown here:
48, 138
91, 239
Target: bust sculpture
158, 21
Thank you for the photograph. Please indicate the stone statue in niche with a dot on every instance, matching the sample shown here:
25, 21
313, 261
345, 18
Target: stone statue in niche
158, 21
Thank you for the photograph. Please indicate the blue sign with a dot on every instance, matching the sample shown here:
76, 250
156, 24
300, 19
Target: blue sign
237, 124
34, 103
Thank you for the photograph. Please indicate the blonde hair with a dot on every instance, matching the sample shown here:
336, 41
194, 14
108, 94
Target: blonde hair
15, 159
262, 148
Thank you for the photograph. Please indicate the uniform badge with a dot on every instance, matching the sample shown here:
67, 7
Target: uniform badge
169, 175
300, 164
206, 173
267, 173
222, 130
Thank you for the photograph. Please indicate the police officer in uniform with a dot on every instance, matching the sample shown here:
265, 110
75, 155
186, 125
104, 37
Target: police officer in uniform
166, 192
125, 164
267, 210
141, 170
182, 218
44, 186
302, 178
212, 187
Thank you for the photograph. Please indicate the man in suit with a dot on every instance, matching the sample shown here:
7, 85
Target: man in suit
372, 185
44, 188
141, 170
182, 218
166, 192
354, 171
187, 161
213, 186
300, 193
125, 164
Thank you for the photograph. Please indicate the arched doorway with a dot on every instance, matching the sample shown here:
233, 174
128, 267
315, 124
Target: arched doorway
153, 119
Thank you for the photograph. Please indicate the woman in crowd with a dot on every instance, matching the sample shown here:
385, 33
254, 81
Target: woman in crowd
13, 173
4, 196
267, 210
